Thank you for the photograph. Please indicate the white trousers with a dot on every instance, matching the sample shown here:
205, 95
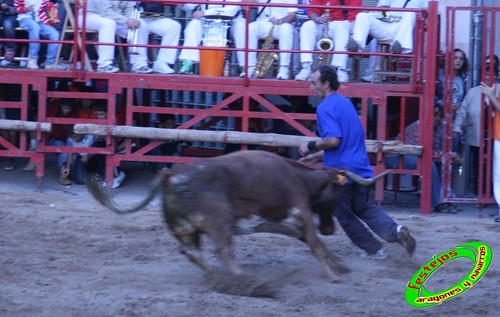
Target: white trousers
258, 30
170, 32
401, 31
496, 171
310, 32
107, 29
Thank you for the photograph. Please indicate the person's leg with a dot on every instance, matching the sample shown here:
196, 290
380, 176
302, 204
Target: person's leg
238, 31
193, 33
9, 31
284, 33
352, 226
169, 30
404, 33
50, 33
371, 214
33, 30
106, 29
340, 30
308, 34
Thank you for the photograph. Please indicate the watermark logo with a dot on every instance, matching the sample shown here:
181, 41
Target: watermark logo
480, 254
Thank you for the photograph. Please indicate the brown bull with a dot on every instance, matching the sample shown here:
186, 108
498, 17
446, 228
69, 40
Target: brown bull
231, 194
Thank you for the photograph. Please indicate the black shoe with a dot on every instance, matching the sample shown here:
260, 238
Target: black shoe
396, 48
444, 207
352, 45
406, 240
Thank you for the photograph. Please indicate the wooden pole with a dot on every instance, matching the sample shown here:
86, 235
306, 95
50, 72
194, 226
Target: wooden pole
234, 137
25, 126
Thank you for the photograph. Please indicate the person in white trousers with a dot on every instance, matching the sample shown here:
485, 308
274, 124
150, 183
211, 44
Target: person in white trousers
399, 31
339, 23
194, 31
282, 19
109, 18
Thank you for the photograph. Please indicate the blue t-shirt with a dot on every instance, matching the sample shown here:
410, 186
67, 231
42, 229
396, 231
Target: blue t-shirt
337, 118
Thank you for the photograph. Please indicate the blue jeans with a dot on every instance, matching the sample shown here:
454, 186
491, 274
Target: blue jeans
9, 24
353, 208
35, 31
62, 157
410, 163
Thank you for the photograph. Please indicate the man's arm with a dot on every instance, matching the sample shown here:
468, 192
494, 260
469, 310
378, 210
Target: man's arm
318, 145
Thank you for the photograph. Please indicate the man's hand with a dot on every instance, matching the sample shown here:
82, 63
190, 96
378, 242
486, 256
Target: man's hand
487, 90
133, 23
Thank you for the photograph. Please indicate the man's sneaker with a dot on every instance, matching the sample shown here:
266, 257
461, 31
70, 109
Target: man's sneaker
379, 255
342, 76
186, 67
55, 67
108, 69
352, 45
370, 79
118, 180
5, 63
406, 240
396, 48
163, 68
144, 69
30, 167
10, 165
304, 74
32, 64
283, 73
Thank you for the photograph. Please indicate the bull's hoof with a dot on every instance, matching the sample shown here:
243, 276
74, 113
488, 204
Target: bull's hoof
327, 230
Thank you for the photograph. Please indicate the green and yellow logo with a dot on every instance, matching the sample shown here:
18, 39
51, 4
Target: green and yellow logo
480, 254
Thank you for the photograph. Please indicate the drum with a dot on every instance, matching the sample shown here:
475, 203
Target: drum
215, 30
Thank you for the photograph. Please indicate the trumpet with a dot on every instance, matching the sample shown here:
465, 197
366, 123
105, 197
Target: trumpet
132, 34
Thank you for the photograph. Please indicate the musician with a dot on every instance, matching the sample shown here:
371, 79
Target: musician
339, 23
109, 17
399, 31
282, 19
193, 33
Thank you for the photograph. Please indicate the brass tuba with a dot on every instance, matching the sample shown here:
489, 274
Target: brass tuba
265, 59
325, 43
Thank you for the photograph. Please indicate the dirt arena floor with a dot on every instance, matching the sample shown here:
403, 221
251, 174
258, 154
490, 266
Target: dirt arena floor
62, 254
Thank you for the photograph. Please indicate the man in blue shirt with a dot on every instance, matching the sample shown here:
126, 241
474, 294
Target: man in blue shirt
342, 145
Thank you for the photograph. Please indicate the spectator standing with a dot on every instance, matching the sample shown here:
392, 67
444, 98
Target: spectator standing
342, 145
282, 18
337, 23
8, 20
32, 17
398, 28
194, 31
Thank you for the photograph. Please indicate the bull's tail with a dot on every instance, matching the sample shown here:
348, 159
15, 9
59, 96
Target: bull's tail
95, 186
363, 181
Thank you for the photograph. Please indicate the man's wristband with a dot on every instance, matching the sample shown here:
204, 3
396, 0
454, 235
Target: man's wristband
311, 146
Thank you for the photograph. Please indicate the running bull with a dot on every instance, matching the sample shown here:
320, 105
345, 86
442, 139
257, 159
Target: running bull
241, 193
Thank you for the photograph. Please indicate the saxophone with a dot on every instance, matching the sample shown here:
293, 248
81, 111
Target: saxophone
265, 59
326, 42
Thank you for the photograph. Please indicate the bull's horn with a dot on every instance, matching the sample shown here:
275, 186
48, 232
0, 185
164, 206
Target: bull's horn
363, 181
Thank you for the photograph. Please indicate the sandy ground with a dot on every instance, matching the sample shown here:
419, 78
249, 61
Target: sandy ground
62, 254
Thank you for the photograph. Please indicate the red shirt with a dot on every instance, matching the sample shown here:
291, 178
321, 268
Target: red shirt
336, 14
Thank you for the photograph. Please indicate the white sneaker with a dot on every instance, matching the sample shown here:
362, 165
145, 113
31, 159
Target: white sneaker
283, 73
118, 180
379, 255
304, 74
30, 167
32, 64
162, 67
55, 67
108, 69
5, 63
370, 79
144, 69
343, 76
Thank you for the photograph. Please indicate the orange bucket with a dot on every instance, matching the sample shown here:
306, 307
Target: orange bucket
212, 62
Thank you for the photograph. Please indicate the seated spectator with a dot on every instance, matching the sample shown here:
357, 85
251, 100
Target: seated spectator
74, 168
110, 18
194, 31
394, 26
8, 20
32, 17
61, 108
170, 31
337, 24
168, 147
98, 161
282, 18
86, 109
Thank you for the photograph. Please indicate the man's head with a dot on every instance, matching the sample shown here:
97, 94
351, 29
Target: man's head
489, 67
101, 109
324, 80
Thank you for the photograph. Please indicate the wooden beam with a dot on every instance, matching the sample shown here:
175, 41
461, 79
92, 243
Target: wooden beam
24, 126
